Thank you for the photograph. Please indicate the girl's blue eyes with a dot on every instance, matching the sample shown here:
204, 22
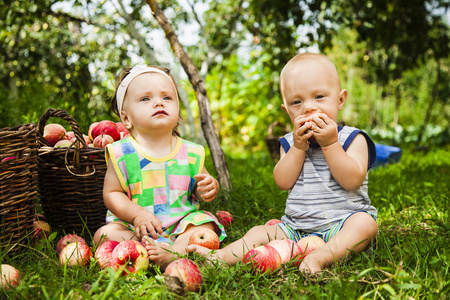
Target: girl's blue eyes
164, 98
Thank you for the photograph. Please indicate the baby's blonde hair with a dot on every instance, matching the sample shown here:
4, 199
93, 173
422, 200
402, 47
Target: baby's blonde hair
310, 56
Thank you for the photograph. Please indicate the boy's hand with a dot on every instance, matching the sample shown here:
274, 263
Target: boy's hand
207, 186
302, 132
146, 223
325, 130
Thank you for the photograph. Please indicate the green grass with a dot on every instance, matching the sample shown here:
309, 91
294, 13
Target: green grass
411, 262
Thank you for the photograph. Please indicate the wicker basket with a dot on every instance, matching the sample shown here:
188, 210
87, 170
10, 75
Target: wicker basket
70, 181
18, 175
272, 139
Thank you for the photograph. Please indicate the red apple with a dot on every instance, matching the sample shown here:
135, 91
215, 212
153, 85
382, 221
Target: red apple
273, 222
63, 144
40, 217
131, 255
101, 141
264, 259
205, 237
53, 133
105, 127
225, 218
10, 276
69, 135
75, 254
122, 130
187, 272
309, 244
41, 229
104, 252
68, 239
288, 249
90, 130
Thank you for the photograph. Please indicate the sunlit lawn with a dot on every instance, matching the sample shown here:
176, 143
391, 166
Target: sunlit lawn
411, 262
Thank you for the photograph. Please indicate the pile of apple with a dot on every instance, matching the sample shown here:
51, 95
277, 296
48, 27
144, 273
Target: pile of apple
99, 135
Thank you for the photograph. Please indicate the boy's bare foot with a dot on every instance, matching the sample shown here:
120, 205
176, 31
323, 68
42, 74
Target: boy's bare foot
311, 264
159, 253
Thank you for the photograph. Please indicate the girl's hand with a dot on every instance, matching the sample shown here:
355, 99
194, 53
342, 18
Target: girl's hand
325, 130
207, 186
146, 223
302, 132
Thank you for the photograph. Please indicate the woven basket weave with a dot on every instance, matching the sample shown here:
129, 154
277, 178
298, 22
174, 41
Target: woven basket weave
70, 181
18, 176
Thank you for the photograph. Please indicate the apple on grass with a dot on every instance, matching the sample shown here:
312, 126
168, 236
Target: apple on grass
104, 252
273, 222
75, 254
53, 133
10, 276
205, 237
225, 218
41, 230
287, 248
131, 256
263, 259
68, 239
182, 276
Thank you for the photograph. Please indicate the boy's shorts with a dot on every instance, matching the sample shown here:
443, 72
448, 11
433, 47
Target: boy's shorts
326, 235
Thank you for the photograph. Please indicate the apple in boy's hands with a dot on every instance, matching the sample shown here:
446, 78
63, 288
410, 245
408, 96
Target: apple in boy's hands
287, 248
205, 237
130, 254
10, 276
104, 252
53, 133
183, 275
309, 244
273, 222
225, 218
75, 254
68, 239
264, 259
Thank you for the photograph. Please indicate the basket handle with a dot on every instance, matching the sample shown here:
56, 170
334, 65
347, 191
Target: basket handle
61, 113
58, 113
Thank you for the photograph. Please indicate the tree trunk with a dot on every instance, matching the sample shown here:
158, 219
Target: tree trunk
217, 154
430, 106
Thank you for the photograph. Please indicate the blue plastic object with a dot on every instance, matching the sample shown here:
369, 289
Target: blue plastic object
387, 154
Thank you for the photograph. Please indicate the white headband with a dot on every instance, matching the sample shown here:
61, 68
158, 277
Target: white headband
134, 72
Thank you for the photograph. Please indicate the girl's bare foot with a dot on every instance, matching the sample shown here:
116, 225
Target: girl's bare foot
159, 253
